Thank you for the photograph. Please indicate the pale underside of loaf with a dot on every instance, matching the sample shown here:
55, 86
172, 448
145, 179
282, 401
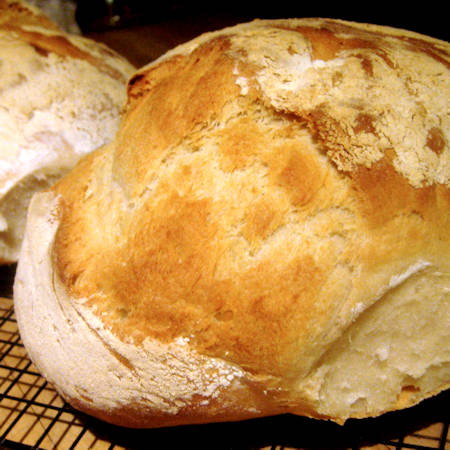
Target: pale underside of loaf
267, 233
60, 98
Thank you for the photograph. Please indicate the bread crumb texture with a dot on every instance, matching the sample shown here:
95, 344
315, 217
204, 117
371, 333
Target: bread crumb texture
277, 198
60, 97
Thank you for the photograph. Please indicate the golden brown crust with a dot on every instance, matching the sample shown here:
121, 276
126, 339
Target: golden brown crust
31, 26
22, 14
267, 185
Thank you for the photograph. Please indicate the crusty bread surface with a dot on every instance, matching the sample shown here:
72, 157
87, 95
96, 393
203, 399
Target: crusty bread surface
60, 98
267, 233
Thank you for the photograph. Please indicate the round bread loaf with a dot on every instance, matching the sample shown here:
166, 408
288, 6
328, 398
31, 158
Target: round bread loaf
60, 98
267, 233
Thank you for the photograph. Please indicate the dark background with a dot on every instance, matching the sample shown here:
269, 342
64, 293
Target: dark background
426, 17
172, 22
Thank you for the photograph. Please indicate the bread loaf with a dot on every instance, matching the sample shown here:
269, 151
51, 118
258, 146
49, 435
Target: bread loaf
267, 233
60, 97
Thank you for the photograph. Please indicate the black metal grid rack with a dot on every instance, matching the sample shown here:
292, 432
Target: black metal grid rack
33, 415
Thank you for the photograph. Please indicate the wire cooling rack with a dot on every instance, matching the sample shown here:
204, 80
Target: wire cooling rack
33, 415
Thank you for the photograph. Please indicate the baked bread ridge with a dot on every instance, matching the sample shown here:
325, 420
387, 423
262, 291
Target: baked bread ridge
276, 204
60, 96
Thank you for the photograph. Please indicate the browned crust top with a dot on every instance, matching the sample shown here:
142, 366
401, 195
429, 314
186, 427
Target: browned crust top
249, 210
